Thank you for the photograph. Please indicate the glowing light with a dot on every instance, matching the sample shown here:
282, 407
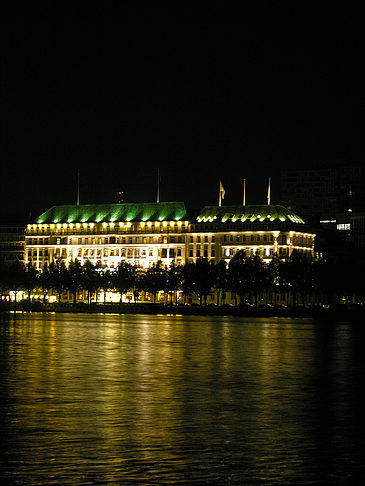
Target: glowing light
78, 225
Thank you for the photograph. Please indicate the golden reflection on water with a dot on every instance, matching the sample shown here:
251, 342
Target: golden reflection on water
146, 397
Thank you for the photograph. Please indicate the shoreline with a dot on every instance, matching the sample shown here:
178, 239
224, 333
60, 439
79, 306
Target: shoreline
334, 314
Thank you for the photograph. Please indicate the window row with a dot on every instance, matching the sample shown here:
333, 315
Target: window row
253, 238
109, 240
199, 253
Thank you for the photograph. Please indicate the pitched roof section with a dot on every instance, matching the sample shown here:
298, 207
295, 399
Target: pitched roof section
96, 213
248, 214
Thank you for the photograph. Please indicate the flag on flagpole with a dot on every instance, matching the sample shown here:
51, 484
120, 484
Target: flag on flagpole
221, 188
222, 193
269, 193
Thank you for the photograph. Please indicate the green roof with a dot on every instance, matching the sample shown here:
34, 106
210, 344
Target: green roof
247, 214
165, 211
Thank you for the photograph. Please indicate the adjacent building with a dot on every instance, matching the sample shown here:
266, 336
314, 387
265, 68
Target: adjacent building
12, 244
324, 192
357, 229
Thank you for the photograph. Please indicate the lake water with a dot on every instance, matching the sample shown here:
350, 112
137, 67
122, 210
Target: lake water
155, 400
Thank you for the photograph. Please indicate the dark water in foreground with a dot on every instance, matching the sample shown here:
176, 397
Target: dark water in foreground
134, 399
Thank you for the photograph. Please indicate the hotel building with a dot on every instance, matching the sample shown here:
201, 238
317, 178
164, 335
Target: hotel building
144, 233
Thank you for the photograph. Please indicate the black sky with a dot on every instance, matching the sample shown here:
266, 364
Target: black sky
115, 97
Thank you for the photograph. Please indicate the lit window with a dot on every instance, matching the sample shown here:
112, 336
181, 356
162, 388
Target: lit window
343, 226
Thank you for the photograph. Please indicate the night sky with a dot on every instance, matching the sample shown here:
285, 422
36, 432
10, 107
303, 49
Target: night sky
116, 96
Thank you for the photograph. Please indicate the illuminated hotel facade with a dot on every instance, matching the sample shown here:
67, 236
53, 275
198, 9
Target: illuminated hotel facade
145, 233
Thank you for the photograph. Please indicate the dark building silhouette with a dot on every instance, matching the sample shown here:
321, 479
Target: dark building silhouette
323, 192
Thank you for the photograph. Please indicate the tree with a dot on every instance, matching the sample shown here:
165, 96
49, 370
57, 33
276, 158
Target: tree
90, 280
104, 281
187, 280
221, 281
44, 280
127, 278
237, 275
74, 277
15, 277
247, 275
273, 280
155, 279
30, 278
257, 276
173, 280
57, 276
203, 275
296, 274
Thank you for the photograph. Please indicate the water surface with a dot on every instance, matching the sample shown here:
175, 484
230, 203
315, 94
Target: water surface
137, 399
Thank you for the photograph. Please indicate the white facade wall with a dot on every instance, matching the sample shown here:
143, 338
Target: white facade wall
143, 244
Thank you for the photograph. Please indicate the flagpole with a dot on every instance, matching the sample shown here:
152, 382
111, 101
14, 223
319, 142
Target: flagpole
222, 192
78, 190
269, 193
158, 185
244, 192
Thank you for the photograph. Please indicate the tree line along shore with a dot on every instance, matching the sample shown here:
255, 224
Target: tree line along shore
246, 282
